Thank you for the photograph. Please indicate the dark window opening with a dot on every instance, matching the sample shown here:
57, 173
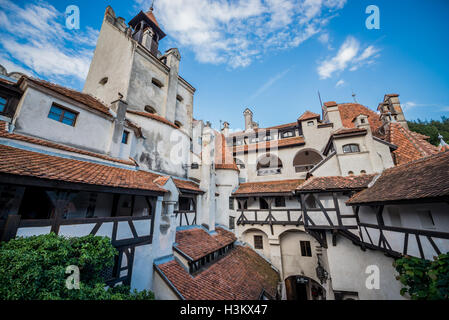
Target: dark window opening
179, 98
104, 81
263, 204
3, 103
311, 202
245, 206
231, 203
62, 115
258, 242
157, 83
36, 205
178, 124
351, 148
184, 204
231, 223
150, 109
125, 137
288, 134
306, 250
279, 202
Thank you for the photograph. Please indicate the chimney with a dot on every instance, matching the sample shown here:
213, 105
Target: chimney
332, 114
361, 121
225, 129
248, 119
391, 110
119, 107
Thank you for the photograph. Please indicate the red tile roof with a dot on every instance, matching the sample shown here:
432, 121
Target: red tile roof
269, 187
187, 185
151, 16
198, 243
308, 115
345, 131
283, 143
349, 111
80, 97
411, 145
14, 136
32, 164
240, 275
224, 159
153, 116
337, 183
426, 178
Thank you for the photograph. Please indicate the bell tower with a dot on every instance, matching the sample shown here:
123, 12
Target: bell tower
147, 31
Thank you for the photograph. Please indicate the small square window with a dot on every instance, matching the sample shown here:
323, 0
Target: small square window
231, 203
231, 223
258, 242
288, 134
125, 137
62, 115
306, 250
310, 123
3, 102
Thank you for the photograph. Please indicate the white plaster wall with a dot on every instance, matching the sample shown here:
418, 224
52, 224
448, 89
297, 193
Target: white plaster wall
33, 120
227, 182
348, 264
162, 290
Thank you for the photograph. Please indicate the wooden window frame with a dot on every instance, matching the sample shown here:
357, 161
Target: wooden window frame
258, 242
306, 248
4, 105
157, 83
231, 204
64, 110
351, 145
125, 134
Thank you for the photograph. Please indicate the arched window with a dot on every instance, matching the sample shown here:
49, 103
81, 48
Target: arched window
178, 124
150, 109
363, 172
104, 81
305, 160
351, 173
157, 83
269, 165
351, 148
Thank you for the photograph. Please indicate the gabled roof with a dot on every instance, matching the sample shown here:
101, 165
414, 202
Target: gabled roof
242, 274
153, 116
336, 183
349, 111
411, 145
426, 178
83, 98
25, 163
308, 115
197, 243
268, 187
182, 185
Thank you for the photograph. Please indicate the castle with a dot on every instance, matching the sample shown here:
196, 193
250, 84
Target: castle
299, 211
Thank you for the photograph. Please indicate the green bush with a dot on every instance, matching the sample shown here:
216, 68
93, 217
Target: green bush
35, 269
424, 279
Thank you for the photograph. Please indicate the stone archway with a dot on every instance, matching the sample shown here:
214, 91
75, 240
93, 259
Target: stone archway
305, 160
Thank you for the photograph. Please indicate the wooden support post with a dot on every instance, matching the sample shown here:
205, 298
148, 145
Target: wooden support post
337, 209
11, 226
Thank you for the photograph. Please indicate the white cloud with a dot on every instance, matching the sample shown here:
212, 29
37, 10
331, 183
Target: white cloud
411, 105
34, 37
239, 31
340, 83
348, 56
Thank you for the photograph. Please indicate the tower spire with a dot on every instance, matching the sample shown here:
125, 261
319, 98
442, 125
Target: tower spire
152, 6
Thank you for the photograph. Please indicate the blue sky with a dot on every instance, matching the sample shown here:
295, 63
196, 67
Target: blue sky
272, 56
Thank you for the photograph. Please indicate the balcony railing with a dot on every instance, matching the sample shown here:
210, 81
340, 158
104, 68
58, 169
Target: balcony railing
269, 171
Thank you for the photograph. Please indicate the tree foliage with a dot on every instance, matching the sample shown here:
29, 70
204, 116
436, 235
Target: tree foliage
35, 269
432, 129
424, 279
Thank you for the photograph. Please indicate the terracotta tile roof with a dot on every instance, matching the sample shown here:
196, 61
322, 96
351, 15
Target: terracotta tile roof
308, 115
243, 133
330, 104
151, 16
424, 178
337, 183
224, 159
240, 275
14, 136
198, 243
269, 187
345, 131
80, 97
411, 145
32, 164
187, 185
153, 116
5, 81
349, 111
283, 143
